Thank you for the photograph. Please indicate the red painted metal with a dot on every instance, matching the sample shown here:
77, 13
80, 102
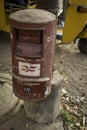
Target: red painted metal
32, 39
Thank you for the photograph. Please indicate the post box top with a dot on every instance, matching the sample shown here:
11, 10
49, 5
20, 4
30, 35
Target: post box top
32, 16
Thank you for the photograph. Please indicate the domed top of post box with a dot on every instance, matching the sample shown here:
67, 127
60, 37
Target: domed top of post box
32, 16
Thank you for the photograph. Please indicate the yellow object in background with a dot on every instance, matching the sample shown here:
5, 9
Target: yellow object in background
5, 12
78, 2
75, 21
3, 18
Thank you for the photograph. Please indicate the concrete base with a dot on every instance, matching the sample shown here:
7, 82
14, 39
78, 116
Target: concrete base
47, 110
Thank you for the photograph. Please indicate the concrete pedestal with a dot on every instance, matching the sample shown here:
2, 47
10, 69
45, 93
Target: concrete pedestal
47, 110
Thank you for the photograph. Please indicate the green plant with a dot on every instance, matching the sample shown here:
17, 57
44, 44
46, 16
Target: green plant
68, 119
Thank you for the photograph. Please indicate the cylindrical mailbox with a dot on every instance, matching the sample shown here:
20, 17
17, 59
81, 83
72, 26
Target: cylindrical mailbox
32, 38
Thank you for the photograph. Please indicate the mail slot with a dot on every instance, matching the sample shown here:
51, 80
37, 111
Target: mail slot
32, 34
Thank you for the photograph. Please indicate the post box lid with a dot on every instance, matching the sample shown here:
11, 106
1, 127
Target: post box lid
32, 16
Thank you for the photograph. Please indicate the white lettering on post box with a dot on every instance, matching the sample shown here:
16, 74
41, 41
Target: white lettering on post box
50, 38
29, 69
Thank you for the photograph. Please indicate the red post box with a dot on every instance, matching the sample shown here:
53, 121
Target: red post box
32, 38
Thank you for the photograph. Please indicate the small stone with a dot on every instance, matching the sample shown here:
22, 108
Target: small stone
67, 99
82, 98
27, 125
77, 100
64, 92
78, 124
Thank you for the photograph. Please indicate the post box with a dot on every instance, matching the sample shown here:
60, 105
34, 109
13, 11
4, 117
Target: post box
32, 39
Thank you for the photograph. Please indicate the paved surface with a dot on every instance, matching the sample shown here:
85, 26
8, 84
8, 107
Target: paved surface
20, 122
8, 101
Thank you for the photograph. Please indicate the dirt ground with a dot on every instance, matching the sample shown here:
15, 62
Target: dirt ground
68, 61
73, 66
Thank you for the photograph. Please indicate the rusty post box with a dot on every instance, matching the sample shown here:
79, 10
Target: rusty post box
32, 39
